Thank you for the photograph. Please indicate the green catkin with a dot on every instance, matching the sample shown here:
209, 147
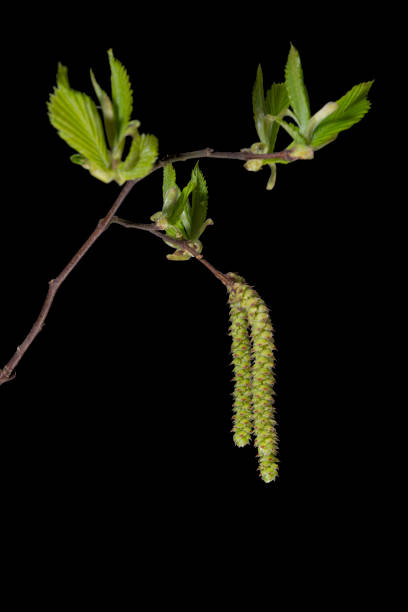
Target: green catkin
262, 378
241, 355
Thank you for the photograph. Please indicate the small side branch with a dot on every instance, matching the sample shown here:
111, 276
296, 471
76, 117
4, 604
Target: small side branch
183, 245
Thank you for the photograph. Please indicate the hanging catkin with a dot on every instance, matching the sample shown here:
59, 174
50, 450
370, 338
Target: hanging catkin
245, 298
241, 355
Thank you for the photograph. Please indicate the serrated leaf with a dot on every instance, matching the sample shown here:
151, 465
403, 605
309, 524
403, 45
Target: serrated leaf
149, 150
277, 99
351, 108
296, 89
122, 98
140, 159
75, 117
199, 204
276, 102
169, 178
258, 104
107, 111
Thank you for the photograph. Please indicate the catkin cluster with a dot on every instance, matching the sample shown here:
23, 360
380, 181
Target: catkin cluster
252, 351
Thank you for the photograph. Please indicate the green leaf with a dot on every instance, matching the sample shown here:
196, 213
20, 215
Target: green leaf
199, 204
121, 96
107, 111
296, 89
75, 117
175, 213
140, 159
169, 178
351, 108
276, 103
149, 150
258, 104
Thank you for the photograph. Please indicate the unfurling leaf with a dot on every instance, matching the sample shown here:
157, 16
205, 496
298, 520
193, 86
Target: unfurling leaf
178, 217
351, 108
199, 205
276, 103
169, 179
266, 108
140, 159
258, 104
268, 113
296, 89
75, 116
178, 208
107, 111
122, 99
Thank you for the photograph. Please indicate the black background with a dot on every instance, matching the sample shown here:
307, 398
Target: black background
122, 405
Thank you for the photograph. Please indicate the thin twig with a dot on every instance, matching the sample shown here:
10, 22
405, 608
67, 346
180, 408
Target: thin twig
183, 245
7, 373
285, 155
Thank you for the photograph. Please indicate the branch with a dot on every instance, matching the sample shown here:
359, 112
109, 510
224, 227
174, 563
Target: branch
177, 243
243, 155
7, 373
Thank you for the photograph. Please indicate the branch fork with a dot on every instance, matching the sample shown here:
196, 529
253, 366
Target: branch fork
7, 373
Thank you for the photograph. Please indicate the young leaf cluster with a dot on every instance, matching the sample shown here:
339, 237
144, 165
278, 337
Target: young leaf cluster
100, 141
290, 100
181, 218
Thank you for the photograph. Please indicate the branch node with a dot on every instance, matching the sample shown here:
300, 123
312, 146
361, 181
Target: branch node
6, 375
